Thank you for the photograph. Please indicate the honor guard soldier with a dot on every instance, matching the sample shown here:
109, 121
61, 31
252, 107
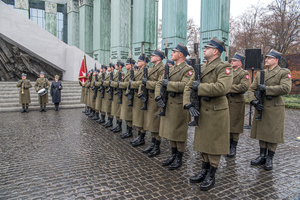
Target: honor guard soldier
24, 94
55, 92
151, 120
116, 103
102, 93
269, 130
42, 83
92, 101
126, 112
94, 93
82, 99
97, 94
236, 100
212, 134
106, 103
86, 98
174, 125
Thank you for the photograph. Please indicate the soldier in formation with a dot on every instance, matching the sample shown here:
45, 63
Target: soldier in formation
55, 92
24, 93
42, 83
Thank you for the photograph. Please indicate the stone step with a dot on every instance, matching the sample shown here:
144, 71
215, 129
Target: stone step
11, 88
35, 103
50, 106
63, 98
34, 95
32, 92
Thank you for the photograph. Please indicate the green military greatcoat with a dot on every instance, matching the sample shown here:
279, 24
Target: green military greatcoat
212, 134
87, 91
126, 112
98, 99
91, 93
236, 100
116, 108
82, 93
25, 97
39, 84
105, 104
151, 120
174, 124
271, 127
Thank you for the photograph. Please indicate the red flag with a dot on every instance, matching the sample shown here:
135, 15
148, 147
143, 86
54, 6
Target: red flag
83, 72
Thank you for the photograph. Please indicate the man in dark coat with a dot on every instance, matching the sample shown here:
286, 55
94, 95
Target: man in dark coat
55, 92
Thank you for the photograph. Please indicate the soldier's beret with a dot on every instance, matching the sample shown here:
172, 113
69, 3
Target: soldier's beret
275, 54
170, 62
23, 74
42, 73
159, 53
128, 61
238, 56
142, 58
188, 61
120, 63
217, 44
182, 48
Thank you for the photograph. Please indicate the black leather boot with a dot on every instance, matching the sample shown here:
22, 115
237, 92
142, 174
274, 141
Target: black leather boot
85, 110
124, 133
41, 109
101, 120
119, 127
55, 107
92, 113
172, 158
109, 122
106, 122
201, 176
150, 147
88, 111
156, 150
135, 139
232, 149
209, 180
23, 109
269, 160
44, 109
177, 162
261, 159
113, 128
140, 140
128, 133
27, 109
96, 117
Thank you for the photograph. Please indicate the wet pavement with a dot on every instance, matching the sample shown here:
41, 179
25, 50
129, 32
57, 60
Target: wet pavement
66, 155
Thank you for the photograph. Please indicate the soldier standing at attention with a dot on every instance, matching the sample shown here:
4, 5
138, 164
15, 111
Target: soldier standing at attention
95, 95
115, 107
174, 125
98, 99
24, 94
236, 100
126, 112
91, 94
270, 129
106, 104
151, 120
99, 84
212, 134
55, 92
40, 83
87, 98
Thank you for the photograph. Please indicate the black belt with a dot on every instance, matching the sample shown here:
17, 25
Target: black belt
269, 97
152, 91
233, 94
136, 90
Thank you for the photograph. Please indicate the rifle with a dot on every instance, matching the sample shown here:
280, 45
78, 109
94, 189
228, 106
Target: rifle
130, 94
110, 91
144, 95
163, 89
119, 90
102, 89
95, 88
195, 99
260, 95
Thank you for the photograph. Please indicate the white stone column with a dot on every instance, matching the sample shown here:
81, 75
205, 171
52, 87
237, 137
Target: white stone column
51, 17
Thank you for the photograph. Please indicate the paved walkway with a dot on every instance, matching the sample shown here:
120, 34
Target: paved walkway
66, 155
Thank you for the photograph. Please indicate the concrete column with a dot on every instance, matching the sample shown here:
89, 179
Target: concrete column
143, 27
51, 17
22, 6
86, 26
101, 30
174, 19
120, 29
215, 16
73, 23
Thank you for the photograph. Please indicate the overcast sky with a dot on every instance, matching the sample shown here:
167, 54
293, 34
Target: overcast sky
237, 7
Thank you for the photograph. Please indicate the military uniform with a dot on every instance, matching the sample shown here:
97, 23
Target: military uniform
24, 97
106, 104
213, 131
236, 102
98, 100
39, 84
270, 129
92, 100
83, 96
55, 92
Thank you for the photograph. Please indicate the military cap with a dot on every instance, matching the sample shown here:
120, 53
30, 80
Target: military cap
104, 67
56, 76
142, 57
170, 62
238, 56
23, 74
111, 65
188, 61
97, 70
217, 44
42, 72
275, 54
128, 61
182, 48
120, 63
159, 53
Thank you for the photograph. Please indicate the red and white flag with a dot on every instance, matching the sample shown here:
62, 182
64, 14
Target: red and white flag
83, 75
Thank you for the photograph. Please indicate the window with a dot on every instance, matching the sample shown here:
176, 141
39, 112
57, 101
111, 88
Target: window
37, 14
60, 25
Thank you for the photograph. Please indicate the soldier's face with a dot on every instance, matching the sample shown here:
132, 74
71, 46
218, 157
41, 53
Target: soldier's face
208, 52
140, 63
116, 67
236, 63
128, 66
56, 79
23, 77
109, 69
42, 75
175, 55
154, 58
103, 70
94, 73
270, 61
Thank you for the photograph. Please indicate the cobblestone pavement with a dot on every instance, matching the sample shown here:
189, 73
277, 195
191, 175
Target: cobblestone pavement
66, 155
